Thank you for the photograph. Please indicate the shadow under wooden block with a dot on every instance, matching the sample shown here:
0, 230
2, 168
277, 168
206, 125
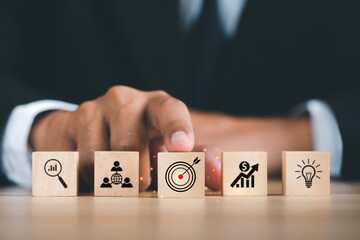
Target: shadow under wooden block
116, 174
306, 173
181, 174
55, 173
244, 173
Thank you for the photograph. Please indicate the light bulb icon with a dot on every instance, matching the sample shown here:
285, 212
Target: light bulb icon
308, 172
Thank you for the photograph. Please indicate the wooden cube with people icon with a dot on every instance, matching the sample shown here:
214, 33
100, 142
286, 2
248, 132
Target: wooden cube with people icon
306, 173
244, 173
55, 173
116, 174
181, 174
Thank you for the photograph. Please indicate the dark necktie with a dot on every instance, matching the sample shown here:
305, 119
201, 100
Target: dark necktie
207, 52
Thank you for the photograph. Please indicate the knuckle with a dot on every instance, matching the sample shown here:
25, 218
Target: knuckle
120, 93
126, 97
171, 102
160, 93
86, 111
87, 107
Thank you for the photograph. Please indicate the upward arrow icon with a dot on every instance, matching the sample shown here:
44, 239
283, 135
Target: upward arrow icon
253, 169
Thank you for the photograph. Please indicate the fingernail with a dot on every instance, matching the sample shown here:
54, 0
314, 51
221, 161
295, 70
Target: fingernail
179, 138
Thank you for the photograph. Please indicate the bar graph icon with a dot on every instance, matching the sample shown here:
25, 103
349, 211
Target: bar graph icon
245, 180
53, 168
246, 183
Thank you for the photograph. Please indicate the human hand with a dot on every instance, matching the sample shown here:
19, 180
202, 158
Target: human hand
124, 119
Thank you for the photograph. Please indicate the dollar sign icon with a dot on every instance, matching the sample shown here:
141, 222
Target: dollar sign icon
244, 166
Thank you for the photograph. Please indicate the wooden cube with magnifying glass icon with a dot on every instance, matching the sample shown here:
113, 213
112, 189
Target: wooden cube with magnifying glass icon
306, 173
55, 174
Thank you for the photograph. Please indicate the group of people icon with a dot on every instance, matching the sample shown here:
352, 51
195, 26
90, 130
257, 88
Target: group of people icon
126, 184
116, 178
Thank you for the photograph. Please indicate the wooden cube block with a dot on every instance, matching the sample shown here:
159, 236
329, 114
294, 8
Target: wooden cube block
55, 173
306, 173
244, 173
181, 174
116, 174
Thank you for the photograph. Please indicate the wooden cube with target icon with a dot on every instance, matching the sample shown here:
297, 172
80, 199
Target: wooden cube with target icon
244, 173
116, 174
55, 173
181, 174
306, 173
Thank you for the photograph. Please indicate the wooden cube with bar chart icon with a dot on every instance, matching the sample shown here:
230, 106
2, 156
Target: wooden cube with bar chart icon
55, 173
116, 174
306, 173
181, 174
244, 173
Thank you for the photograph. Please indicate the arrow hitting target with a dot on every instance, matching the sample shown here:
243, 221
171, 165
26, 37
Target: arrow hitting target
181, 176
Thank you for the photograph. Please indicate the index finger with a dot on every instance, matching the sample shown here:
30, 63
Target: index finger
171, 118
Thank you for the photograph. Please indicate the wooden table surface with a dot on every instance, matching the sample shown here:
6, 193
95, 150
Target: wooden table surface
212, 217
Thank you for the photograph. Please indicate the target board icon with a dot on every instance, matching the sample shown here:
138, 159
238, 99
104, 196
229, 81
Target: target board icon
181, 176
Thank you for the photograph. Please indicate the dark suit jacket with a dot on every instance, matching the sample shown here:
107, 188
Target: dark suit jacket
284, 52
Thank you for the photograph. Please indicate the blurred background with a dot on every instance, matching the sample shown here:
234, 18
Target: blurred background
242, 57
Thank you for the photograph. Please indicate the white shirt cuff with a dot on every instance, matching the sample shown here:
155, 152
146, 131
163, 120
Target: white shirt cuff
16, 153
325, 131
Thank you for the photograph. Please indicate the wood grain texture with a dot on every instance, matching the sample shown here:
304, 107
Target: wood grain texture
233, 184
212, 217
177, 179
306, 173
63, 168
104, 168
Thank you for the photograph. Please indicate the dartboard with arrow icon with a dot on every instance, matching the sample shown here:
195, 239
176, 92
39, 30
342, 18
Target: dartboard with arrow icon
181, 176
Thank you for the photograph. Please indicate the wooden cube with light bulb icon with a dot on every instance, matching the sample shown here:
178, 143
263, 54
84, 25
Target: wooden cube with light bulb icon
306, 173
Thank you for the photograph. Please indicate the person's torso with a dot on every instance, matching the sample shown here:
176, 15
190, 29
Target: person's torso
75, 51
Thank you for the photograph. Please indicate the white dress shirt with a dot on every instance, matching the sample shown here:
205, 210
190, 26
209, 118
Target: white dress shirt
325, 132
16, 153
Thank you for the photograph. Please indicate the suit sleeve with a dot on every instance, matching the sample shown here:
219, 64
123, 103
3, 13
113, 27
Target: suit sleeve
13, 88
347, 112
344, 50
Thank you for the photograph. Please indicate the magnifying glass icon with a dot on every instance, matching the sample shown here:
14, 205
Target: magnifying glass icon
53, 168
